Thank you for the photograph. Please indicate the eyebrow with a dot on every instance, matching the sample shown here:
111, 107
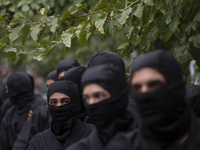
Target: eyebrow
54, 99
99, 92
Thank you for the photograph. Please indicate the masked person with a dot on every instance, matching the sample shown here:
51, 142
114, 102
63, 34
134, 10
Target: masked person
107, 57
66, 128
74, 74
24, 103
64, 65
106, 103
158, 89
39, 121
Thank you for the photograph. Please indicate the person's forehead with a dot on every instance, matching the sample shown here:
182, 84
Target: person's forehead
58, 95
146, 74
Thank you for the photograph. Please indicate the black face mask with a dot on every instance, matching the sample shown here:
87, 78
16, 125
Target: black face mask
110, 115
20, 88
64, 116
165, 116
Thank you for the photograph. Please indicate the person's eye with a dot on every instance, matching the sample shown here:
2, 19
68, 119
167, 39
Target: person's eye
66, 102
52, 103
136, 87
100, 96
155, 84
85, 99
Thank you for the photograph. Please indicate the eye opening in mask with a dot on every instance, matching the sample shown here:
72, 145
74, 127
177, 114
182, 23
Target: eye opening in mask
149, 86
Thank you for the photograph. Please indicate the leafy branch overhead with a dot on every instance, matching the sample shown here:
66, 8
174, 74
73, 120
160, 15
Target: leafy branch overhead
143, 26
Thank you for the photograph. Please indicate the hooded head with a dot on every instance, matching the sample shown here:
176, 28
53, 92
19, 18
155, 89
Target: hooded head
64, 65
163, 109
20, 88
63, 116
110, 93
106, 76
51, 77
74, 74
106, 58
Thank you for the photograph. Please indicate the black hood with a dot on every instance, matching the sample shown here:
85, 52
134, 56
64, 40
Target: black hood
108, 115
107, 57
20, 88
165, 116
52, 75
66, 64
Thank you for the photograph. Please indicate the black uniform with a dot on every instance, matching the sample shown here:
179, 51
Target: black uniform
24, 102
66, 128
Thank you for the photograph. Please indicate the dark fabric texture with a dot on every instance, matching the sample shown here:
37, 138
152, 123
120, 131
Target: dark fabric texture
108, 121
193, 98
64, 116
134, 140
52, 75
39, 121
66, 64
74, 75
106, 57
165, 116
46, 140
14, 121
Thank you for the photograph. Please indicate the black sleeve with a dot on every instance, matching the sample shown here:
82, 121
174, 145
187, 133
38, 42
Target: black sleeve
38, 122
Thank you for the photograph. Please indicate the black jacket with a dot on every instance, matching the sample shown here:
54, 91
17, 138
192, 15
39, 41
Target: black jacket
46, 140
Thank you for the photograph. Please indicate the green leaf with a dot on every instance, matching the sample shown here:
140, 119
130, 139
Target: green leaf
4, 41
35, 29
174, 24
38, 55
25, 8
129, 32
197, 17
45, 10
12, 57
100, 22
25, 31
138, 12
16, 21
10, 49
149, 2
53, 23
4, 17
195, 39
123, 45
67, 36
124, 16
111, 27
190, 27
14, 32
75, 8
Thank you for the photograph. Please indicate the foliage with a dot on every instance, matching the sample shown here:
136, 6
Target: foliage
44, 30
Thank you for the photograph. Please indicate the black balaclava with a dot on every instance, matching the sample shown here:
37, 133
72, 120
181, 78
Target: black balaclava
52, 75
74, 74
109, 116
20, 88
64, 116
107, 57
193, 98
66, 64
165, 117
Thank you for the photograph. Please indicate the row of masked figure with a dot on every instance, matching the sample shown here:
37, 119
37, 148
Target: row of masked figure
98, 108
